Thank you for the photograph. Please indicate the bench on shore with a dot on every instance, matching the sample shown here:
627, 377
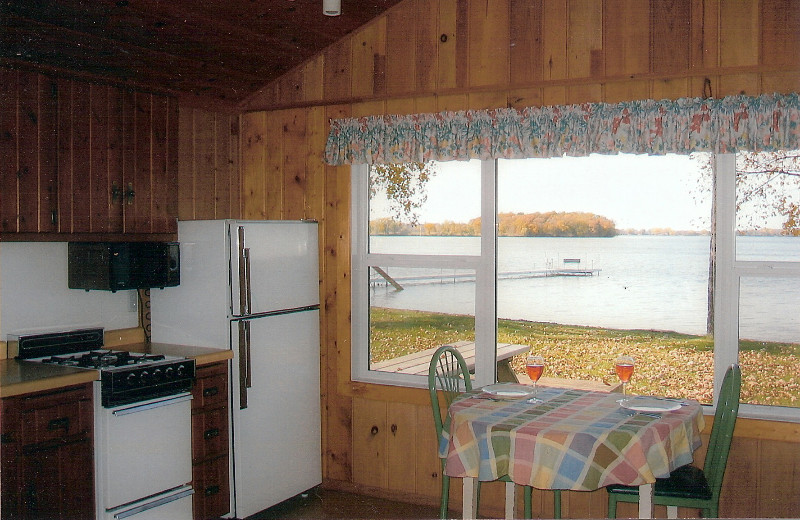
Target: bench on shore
418, 362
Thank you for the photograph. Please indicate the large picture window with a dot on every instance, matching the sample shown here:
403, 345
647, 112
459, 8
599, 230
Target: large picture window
582, 259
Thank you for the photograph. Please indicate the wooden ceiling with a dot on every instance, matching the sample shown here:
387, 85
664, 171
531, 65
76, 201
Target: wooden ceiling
221, 49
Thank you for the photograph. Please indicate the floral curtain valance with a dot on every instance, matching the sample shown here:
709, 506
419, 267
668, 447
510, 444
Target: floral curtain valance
736, 123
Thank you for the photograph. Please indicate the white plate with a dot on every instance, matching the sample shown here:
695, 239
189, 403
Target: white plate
507, 390
650, 404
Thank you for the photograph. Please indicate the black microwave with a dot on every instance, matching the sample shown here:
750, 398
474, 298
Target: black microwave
116, 266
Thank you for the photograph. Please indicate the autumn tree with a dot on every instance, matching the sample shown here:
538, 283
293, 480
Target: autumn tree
767, 186
404, 187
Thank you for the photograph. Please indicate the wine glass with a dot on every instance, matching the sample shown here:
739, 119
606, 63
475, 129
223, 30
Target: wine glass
624, 367
534, 366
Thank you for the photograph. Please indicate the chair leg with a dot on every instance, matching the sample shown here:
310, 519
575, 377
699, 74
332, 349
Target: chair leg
477, 496
556, 503
612, 506
445, 496
528, 513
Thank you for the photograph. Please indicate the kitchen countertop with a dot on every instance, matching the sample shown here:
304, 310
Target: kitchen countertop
22, 377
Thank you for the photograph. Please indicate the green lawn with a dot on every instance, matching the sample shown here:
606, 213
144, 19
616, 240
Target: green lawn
667, 363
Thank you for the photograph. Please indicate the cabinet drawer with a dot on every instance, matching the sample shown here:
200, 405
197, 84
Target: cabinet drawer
209, 434
211, 497
211, 386
52, 416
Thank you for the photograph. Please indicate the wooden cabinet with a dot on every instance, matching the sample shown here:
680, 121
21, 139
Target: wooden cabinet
47, 468
210, 442
85, 160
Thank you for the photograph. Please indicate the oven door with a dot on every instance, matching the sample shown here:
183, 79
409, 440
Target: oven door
145, 449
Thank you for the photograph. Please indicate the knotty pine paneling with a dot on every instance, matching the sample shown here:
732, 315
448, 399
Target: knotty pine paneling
626, 24
208, 164
368, 62
669, 36
488, 37
457, 55
525, 37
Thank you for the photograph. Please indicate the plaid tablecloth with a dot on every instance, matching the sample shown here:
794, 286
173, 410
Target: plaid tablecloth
574, 439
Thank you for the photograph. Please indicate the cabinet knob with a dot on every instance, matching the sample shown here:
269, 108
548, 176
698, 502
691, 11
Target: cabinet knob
374, 430
116, 192
129, 194
210, 392
211, 490
211, 433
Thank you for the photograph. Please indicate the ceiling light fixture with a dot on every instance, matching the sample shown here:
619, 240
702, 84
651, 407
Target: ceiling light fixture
332, 7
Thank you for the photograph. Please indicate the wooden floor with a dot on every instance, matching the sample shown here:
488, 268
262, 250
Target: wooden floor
321, 503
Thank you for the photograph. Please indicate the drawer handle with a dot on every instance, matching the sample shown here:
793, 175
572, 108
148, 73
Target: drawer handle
211, 490
210, 392
209, 434
61, 423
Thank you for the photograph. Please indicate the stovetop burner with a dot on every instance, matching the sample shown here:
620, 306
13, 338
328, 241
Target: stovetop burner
103, 358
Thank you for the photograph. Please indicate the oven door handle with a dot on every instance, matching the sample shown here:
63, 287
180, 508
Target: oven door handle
179, 398
157, 503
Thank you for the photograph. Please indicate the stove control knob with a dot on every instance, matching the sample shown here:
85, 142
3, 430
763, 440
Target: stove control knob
181, 370
157, 374
144, 377
131, 379
169, 373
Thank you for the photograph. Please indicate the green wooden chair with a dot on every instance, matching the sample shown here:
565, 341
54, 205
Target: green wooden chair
689, 486
448, 374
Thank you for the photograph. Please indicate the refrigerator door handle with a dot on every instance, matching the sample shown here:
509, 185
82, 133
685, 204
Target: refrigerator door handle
249, 376
245, 293
244, 363
248, 291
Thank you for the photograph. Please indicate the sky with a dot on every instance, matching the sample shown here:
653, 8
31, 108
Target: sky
635, 191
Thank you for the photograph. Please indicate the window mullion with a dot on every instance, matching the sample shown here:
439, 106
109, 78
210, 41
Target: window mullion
726, 290
486, 286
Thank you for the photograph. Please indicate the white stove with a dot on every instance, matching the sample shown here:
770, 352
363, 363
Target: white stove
142, 422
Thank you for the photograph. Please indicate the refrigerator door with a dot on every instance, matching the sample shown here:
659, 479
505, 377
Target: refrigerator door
274, 266
276, 437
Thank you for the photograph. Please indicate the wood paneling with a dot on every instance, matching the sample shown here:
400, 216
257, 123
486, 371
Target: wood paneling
669, 36
462, 54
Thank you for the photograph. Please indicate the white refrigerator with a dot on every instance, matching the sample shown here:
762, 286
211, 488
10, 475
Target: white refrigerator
253, 286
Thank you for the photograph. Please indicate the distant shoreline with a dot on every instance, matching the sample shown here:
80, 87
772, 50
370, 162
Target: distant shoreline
620, 232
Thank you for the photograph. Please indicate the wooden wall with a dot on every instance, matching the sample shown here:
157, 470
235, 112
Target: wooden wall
209, 182
435, 55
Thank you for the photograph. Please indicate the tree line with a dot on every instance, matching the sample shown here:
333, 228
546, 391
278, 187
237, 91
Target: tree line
548, 224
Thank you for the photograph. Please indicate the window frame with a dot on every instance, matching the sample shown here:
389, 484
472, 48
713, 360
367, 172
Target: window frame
728, 273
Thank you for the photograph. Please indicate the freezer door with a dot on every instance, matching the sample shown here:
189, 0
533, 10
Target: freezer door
274, 266
276, 438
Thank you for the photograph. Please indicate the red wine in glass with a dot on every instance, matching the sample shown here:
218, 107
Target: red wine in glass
534, 367
624, 367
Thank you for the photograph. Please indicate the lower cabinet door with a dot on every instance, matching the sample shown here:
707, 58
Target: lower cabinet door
57, 481
211, 489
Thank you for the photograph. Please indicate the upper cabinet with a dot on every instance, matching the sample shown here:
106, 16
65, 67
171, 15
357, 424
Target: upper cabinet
83, 160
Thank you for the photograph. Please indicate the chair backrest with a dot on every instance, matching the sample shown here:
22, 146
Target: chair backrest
449, 374
719, 443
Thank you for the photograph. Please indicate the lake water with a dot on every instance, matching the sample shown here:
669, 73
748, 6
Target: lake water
644, 282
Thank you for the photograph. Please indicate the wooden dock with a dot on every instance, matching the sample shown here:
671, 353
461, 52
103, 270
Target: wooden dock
399, 282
